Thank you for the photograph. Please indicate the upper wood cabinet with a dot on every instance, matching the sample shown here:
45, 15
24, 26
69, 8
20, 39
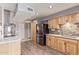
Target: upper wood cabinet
61, 20
49, 23
33, 29
70, 18
55, 23
71, 47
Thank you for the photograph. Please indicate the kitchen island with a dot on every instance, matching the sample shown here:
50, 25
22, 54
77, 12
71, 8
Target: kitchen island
10, 46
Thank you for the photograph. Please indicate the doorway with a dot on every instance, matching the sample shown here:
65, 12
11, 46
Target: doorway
27, 31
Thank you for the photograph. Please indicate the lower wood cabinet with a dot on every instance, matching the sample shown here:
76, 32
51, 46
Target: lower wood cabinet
78, 47
48, 41
10, 48
56, 43
52, 42
61, 45
67, 46
71, 47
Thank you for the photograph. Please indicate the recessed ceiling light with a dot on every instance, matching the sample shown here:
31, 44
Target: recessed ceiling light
50, 6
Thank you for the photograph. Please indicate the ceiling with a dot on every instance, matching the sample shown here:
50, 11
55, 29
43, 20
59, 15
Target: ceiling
8, 6
42, 9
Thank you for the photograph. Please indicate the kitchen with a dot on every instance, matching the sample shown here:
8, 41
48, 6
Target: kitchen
39, 29
63, 33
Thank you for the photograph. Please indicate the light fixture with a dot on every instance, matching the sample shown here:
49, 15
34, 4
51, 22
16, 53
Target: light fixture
50, 6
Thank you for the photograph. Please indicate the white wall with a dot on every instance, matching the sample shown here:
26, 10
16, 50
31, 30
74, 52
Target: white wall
27, 31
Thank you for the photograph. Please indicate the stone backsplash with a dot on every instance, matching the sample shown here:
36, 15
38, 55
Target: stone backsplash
66, 29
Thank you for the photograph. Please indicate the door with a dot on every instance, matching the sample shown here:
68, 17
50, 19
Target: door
27, 31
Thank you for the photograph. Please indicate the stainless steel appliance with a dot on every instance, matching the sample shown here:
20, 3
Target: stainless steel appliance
9, 30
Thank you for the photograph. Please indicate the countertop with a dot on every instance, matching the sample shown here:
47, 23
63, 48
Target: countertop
9, 39
65, 36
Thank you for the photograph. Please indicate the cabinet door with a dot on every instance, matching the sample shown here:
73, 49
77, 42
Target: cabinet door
49, 23
61, 20
56, 43
71, 47
48, 41
78, 47
33, 29
52, 42
70, 18
61, 45
73, 18
4, 49
55, 23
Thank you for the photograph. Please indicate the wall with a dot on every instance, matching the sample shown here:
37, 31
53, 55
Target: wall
27, 31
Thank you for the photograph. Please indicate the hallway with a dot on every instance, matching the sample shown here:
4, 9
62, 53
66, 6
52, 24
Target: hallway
27, 48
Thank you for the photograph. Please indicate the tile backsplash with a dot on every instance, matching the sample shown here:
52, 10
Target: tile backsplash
66, 29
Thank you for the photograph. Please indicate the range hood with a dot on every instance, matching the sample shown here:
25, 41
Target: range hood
23, 12
9, 28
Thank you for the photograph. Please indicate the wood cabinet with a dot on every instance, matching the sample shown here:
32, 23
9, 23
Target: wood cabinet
67, 46
56, 43
70, 18
78, 47
10, 48
33, 30
61, 20
50, 24
61, 45
52, 42
55, 23
48, 41
71, 47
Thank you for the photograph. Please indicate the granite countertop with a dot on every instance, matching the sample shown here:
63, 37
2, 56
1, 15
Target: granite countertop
65, 36
9, 39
